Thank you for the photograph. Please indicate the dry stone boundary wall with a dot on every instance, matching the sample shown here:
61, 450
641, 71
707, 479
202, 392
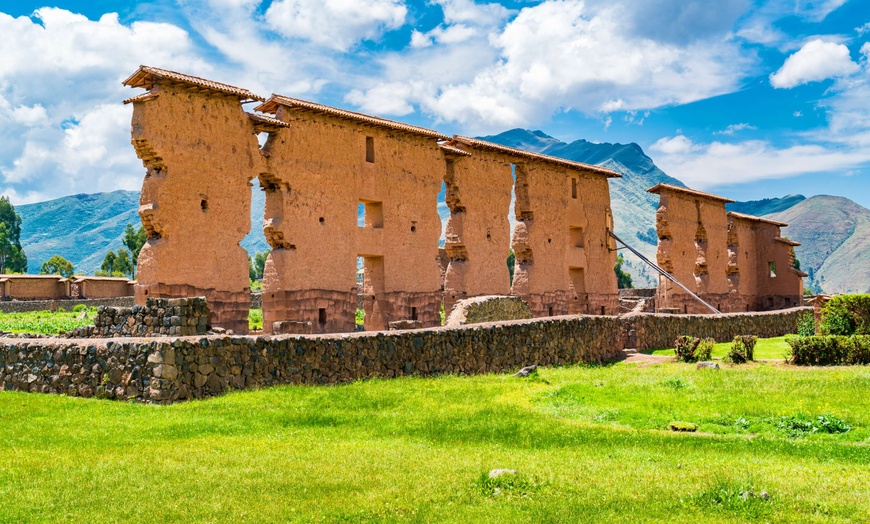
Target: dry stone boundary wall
158, 317
22, 306
654, 331
168, 369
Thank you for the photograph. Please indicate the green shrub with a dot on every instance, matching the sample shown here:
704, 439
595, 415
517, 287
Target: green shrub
79, 308
800, 424
846, 315
806, 325
679, 425
684, 348
742, 349
704, 349
829, 350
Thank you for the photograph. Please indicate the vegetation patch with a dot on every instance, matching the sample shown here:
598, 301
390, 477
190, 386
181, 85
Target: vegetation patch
507, 483
742, 349
693, 349
679, 425
255, 319
735, 497
829, 350
846, 315
46, 322
800, 425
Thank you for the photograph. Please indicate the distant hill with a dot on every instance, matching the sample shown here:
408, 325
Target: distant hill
766, 206
834, 233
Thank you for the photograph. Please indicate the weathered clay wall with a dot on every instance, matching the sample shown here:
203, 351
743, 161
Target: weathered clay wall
722, 257
30, 287
564, 261
101, 287
653, 331
477, 240
201, 153
158, 317
165, 370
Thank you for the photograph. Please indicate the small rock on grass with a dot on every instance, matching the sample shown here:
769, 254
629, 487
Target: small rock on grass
678, 425
707, 365
499, 472
526, 371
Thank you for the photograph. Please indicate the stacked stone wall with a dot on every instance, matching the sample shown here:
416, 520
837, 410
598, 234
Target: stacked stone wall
166, 370
21, 306
653, 331
158, 317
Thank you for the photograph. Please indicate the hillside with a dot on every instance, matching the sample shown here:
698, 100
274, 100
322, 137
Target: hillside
835, 237
765, 206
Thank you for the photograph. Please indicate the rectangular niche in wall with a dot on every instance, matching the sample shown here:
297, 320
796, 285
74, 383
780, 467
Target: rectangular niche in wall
575, 237
372, 214
370, 150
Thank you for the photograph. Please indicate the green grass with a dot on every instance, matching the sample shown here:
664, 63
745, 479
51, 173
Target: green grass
255, 319
44, 322
590, 444
766, 348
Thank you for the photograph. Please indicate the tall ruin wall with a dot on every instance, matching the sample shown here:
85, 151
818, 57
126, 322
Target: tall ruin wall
320, 167
734, 262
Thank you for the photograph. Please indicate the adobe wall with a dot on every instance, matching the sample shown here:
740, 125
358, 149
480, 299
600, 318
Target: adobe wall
564, 258
314, 230
200, 153
478, 237
166, 370
104, 288
35, 287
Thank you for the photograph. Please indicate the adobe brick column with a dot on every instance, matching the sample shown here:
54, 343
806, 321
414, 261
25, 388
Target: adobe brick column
200, 153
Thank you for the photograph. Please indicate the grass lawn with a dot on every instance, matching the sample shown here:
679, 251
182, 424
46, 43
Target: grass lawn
766, 348
590, 444
45, 322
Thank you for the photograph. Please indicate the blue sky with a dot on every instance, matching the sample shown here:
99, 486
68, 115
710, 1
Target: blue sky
745, 99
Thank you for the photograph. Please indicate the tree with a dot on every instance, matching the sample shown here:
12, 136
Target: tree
118, 265
12, 257
511, 262
134, 239
623, 279
57, 265
257, 265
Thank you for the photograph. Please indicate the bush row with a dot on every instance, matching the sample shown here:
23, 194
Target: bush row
829, 350
846, 315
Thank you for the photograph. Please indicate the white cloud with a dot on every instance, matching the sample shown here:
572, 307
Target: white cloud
863, 29
706, 166
816, 60
733, 128
30, 116
556, 56
336, 24
816, 10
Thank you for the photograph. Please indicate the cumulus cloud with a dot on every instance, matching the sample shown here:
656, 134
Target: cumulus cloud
734, 128
816, 60
562, 55
706, 166
337, 24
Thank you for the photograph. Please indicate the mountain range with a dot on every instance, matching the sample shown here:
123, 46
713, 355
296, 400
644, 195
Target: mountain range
834, 231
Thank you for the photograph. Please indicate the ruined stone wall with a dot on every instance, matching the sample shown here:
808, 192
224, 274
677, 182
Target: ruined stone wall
743, 275
166, 370
564, 264
200, 153
654, 331
487, 309
477, 240
18, 306
158, 317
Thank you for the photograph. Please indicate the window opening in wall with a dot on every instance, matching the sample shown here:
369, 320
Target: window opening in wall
602, 310
772, 266
203, 204
578, 279
371, 214
413, 313
573, 187
549, 311
321, 315
685, 308
575, 236
370, 150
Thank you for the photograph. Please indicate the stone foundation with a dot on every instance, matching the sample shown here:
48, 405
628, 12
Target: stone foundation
158, 317
383, 308
487, 309
326, 311
229, 310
